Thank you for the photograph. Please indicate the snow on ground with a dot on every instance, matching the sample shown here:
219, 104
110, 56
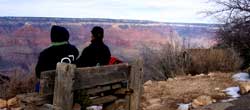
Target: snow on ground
184, 106
241, 77
94, 108
233, 92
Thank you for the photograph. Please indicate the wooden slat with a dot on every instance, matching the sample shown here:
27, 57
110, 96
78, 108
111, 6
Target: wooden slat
116, 86
103, 100
47, 82
88, 77
63, 92
96, 90
136, 80
34, 99
99, 89
123, 91
98, 76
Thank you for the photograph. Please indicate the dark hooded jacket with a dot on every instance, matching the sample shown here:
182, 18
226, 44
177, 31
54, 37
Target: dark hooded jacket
97, 53
60, 51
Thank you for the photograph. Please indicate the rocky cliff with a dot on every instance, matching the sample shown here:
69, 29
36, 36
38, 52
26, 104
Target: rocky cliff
22, 38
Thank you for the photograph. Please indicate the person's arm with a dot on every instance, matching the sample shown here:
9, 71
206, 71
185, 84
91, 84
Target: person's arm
107, 56
76, 54
39, 66
80, 62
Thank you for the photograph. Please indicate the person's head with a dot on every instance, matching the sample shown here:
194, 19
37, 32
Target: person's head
59, 34
97, 33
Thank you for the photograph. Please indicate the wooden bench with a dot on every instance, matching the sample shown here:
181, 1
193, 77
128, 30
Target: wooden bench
105, 83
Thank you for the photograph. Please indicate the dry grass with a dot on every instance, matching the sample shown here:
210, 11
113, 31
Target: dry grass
163, 63
171, 61
211, 60
19, 83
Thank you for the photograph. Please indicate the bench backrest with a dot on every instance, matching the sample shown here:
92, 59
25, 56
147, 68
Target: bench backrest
89, 77
66, 78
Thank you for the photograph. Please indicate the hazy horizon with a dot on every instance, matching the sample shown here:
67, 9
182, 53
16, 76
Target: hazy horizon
113, 19
176, 11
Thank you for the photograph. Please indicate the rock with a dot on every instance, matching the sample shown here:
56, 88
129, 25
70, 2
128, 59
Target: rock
211, 74
154, 101
222, 94
214, 101
156, 106
162, 83
3, 103
12, 102
200, 75
217, 89
244, 87
148, 83
18, 108
170, 79
202, 101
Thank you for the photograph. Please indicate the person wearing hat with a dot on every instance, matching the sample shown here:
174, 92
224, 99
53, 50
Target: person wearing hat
59, 51
97, 53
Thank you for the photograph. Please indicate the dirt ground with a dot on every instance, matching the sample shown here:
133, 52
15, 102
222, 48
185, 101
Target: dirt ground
166, 95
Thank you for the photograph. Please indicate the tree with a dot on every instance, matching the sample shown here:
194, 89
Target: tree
235, 33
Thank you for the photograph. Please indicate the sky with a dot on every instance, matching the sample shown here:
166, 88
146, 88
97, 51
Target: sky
188, 11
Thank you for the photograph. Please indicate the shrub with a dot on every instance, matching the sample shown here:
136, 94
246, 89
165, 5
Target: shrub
169, 61
19, 83
164, 62
209, 60
234, 32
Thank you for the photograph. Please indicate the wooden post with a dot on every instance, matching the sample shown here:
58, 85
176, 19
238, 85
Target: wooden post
63, 94
136, 80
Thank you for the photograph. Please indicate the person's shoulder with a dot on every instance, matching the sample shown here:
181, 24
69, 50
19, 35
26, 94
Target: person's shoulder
71, 46
105, 46
90, 46
46, 51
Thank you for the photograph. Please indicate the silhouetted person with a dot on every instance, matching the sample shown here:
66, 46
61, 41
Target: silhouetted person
59, 51
97, 53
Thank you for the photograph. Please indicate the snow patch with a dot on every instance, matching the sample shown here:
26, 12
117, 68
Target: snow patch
241, 77
183, 106
233, 92
94, 108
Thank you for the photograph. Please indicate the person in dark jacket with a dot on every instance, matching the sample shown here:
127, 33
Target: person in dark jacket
59, 51
97, 53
